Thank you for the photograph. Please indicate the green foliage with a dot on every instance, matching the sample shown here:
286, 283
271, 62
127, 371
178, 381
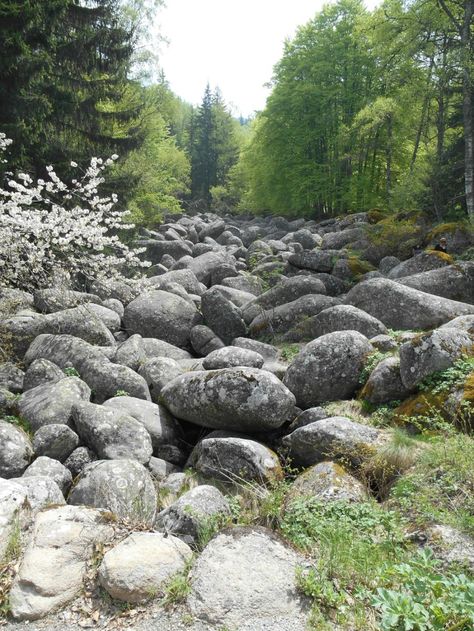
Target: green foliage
289, 351
371, 361
213, 147
449, 379
122, 393
71, 372
440, 486
351, 545
177, 588
422, 598
308, 521
19, 422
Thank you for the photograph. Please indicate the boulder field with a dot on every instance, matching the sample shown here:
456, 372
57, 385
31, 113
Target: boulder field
132, 415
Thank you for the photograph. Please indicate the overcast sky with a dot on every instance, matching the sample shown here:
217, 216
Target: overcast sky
233, 45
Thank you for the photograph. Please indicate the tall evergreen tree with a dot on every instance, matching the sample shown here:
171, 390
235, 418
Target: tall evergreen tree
214, 148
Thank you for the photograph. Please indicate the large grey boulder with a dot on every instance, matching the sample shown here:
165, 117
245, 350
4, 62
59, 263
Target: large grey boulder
328, 368
140, 566
316, 260
109, 317
422, 262
236, 296
123, 487
328, 482
11, 377
112, 433
204, 340
235, 458
285, 317
117, 289
131, 353
286, 291
247, 575
267, 351
184, 277
334, 437
78, 321
79, 459
81, 322
246, 282
337, 318
203, 265
338, 240
56, 441
430, 353
334, 285
13, 503
51, 404
160, 348
16, 450
41, 372
156, 419
239, 399
231, 356
455, 282
157, 372
52, 469
156, 250
400, 307
305, 237
222, 316
41, 492
385, 383
55, 299
162, 315
102, 376
465, 323
193, 510
54, 564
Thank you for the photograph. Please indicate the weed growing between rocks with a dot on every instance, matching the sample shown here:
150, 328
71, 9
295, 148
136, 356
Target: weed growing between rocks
178, 587
449, 379
440, 487
418, 595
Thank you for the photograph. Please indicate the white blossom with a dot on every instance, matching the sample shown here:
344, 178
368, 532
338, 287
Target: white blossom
50, 228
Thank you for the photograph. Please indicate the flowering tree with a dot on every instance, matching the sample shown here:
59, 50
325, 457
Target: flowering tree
48, 227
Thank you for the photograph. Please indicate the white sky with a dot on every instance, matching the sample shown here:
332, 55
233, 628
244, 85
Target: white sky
233, 45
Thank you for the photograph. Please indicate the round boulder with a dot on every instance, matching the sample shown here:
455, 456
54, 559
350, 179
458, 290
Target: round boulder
161, 315
139, 567
123, 487
328, 368
239, 399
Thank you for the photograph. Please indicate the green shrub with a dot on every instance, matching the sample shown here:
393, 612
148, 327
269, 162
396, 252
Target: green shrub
418, 597
449, 379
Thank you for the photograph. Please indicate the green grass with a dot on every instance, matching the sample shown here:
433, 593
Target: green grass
178, 587
440, 487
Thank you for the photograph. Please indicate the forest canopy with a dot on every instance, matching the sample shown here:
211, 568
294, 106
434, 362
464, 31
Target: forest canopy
367, 109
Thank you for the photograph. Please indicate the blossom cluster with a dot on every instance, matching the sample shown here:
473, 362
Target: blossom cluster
49, 228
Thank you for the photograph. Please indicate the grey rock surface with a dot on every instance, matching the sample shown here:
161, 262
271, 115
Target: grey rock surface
235, 458
16, 450
51, 404
139, 567
430, 353
231, 356
261, 569
52, 569
328, 368
161, 315
123, 487
330, 438
401, 307
112, 432
191, 511
239, 399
